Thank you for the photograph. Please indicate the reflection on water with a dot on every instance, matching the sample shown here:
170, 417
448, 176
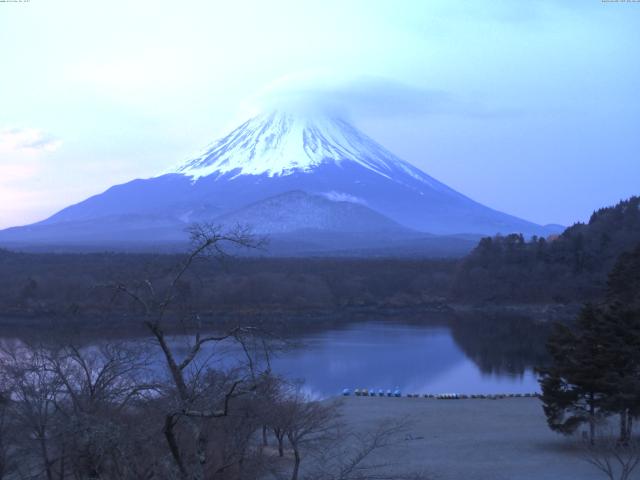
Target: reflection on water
460, 354
474, 355
418, 359
501, 343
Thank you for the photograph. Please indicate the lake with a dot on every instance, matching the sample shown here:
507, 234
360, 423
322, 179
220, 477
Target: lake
415, 358
465, 354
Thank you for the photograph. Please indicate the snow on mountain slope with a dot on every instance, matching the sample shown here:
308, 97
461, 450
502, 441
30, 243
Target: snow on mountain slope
281, 143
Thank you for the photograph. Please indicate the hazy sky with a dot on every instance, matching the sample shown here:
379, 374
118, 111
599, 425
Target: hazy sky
530, 107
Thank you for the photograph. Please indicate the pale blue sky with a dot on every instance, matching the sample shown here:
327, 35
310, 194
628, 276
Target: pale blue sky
529, 107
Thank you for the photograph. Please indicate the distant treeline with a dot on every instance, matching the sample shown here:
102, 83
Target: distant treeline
571, 268
83, 284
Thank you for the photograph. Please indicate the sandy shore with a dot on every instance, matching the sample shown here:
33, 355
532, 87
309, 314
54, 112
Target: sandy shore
473, 439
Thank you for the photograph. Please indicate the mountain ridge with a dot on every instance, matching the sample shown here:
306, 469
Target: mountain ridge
297, 210
269, 155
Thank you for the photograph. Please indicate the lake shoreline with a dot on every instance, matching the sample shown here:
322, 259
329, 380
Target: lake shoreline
304, 317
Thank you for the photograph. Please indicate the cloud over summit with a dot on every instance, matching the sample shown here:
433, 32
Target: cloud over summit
364, 95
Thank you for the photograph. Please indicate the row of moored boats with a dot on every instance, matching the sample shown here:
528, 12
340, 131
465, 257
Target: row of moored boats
364, 392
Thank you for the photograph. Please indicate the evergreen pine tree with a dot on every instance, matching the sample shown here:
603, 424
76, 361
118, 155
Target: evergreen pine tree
595, 368
622, 320
574, 387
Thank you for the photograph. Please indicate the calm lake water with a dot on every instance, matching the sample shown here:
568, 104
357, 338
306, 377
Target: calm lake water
415, 358
457, 354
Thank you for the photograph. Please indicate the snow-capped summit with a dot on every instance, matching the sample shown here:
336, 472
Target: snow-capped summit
282, 143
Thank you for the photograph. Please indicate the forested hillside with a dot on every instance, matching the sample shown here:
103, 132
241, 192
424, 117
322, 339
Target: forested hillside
82, 284
572, 267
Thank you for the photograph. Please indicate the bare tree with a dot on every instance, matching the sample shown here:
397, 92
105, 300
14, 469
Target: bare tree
314, 430
7, 454
72, 409
353, 455
99, 384
615, 460
34, 397
194, 400
307, 423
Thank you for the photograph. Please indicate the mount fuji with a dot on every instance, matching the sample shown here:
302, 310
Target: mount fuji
300, 178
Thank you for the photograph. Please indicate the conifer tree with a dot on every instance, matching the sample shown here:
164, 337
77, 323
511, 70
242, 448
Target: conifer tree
595, 368
574, 387
622, 321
